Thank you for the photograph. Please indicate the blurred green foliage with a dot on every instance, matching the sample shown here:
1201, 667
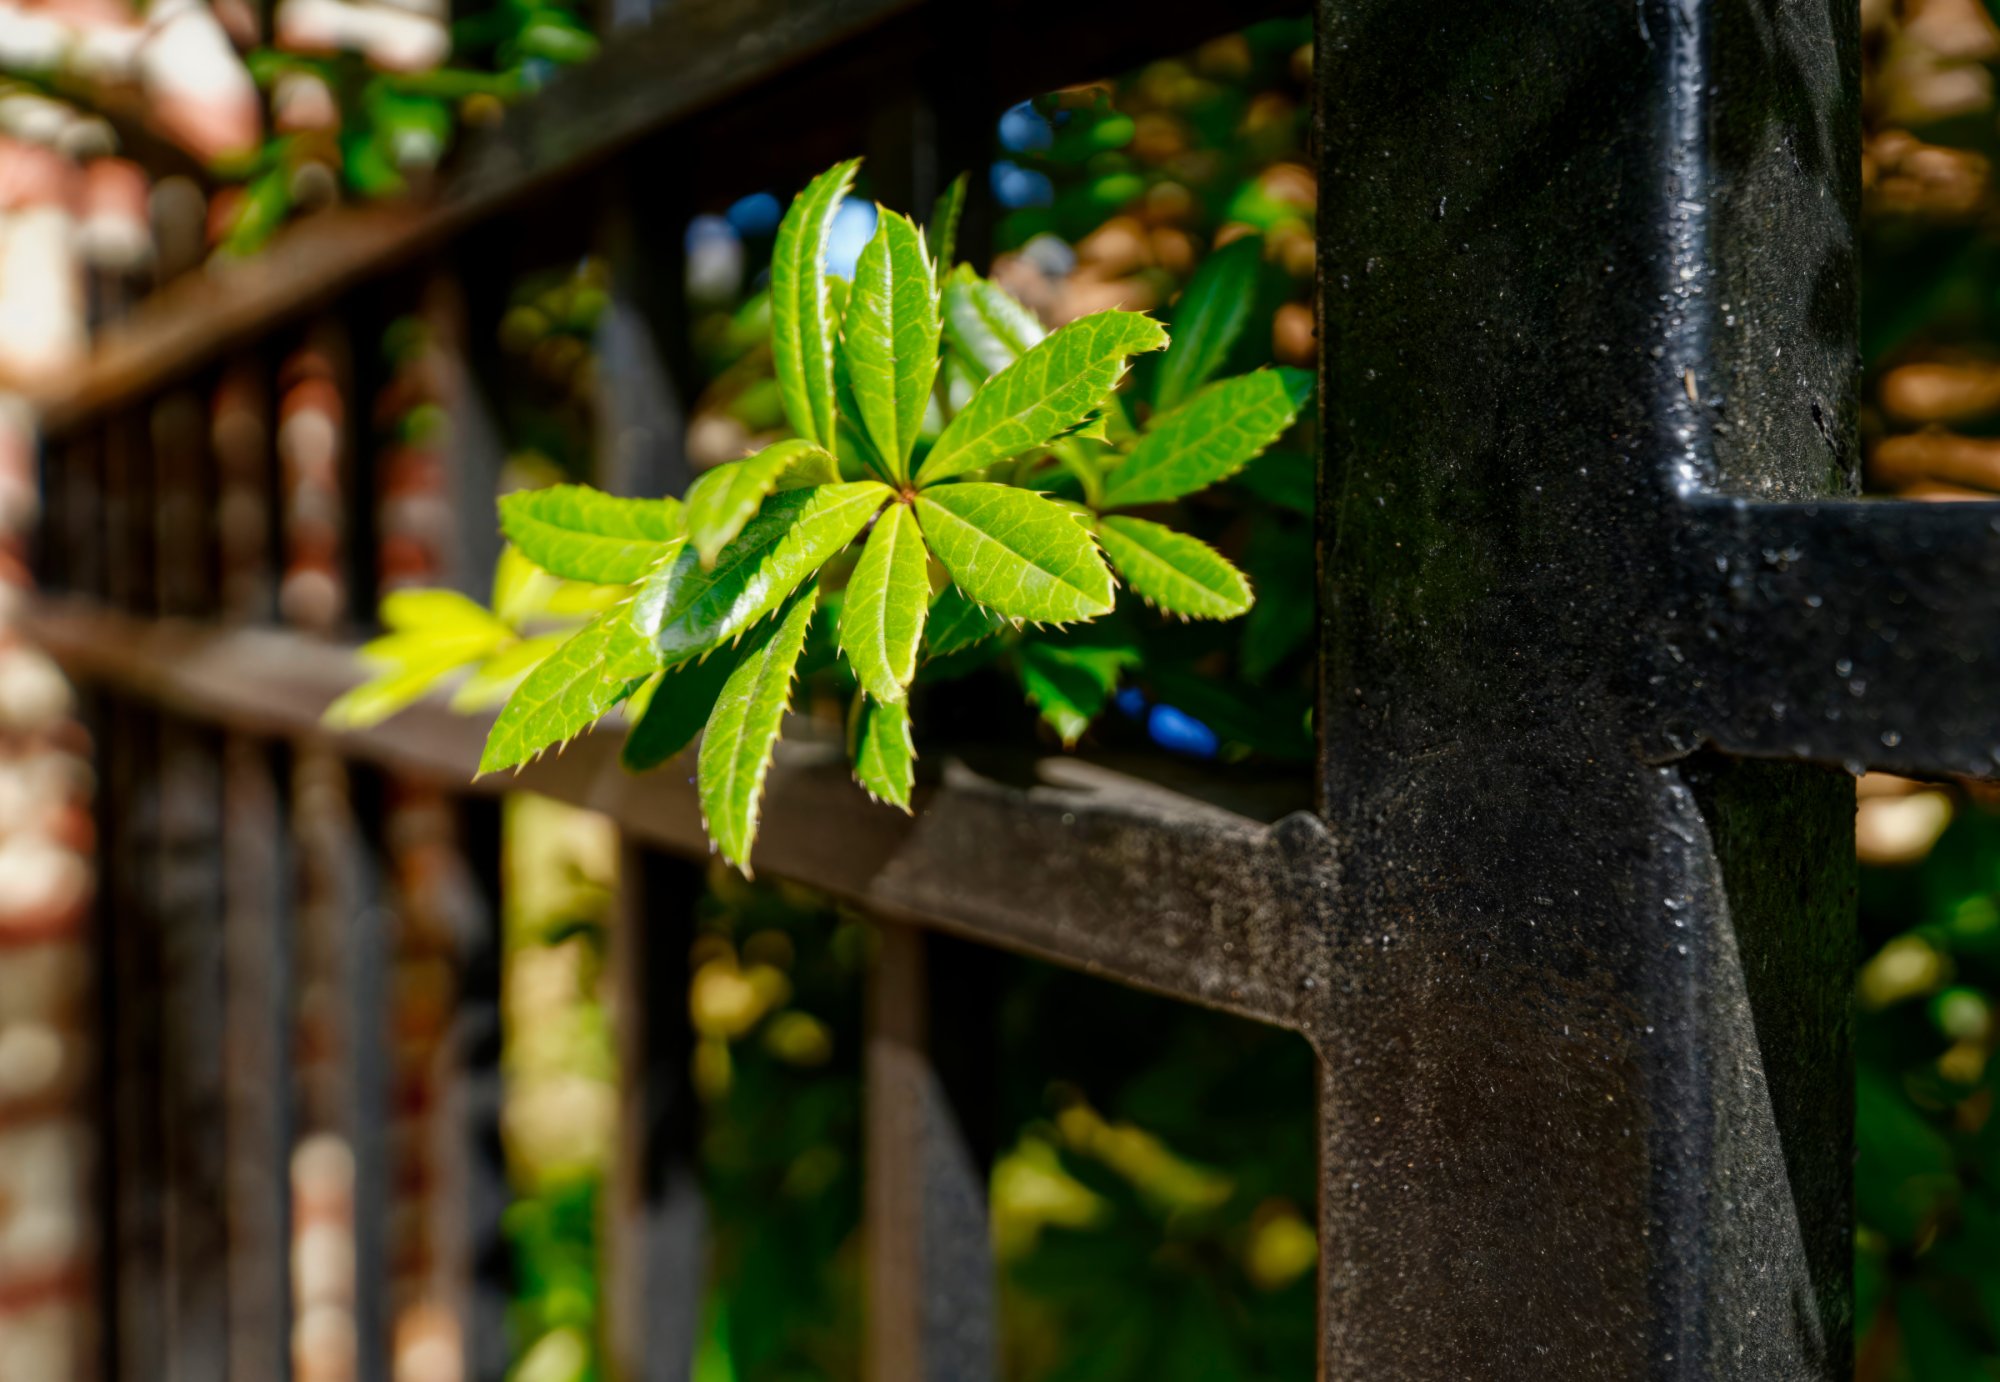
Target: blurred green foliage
776, 1003
1927, 1170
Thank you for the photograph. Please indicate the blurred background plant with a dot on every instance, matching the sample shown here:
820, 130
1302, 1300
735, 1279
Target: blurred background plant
1927, 1255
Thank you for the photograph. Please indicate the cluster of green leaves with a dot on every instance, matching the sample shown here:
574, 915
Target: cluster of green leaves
396, 127
955, 472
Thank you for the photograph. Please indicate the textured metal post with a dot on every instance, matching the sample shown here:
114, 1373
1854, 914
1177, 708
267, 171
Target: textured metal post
656, 1221
1586, 1084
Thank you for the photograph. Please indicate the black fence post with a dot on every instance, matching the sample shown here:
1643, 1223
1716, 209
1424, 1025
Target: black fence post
1587, 1091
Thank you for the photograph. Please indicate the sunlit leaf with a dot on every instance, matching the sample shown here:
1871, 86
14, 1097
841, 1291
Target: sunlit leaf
888, 599
727, 497
442, 614
802, 320
884, 753
568, 693
743, 730
1048, 393
957, 623
378, 698
671, 709
1209, 438
987, 326
580, 534
1020, 555
890, 339
494, 680
1172, 571
684, 610
1211, 316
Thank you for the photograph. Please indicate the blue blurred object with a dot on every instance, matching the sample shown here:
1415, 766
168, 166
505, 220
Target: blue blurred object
756, 214
1015, 187
1131, 701
1179, 732
853, 225
1023, 130
708, 230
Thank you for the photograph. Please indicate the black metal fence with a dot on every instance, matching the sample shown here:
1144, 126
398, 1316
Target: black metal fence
1570, 931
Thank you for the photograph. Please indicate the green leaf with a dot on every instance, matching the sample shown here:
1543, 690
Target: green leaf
802, 320
442, 614
1279, 554
437, 633
1071, 685
743, 731
568, 693
1209, 438
987, 326
1172, 571
1020, 555
946, 215
1047, 393
672, 708
888, 599
1283, 478
1213, 311
957, 623
890, 343
684, 610
726, 498
494, 680
376, 699
884, 754
580, 534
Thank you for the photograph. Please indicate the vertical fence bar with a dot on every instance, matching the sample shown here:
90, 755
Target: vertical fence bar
931, 1295
656, 1220
258, 1013
1587, 1096
187, 895
257, 907
930, 1290
480, 1189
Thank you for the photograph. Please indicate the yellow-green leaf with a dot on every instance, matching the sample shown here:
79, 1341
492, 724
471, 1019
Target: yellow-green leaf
1047, 393
802, 319
568, 693
884, 753
1180, 574
442, 614
581, 534
726, 498
890, 339
1209, 438
1020, 555
672, 708
684, 610
494, 680
743, 730
888, 599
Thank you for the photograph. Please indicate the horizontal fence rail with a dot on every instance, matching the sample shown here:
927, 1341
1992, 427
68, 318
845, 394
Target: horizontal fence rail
1090, 867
